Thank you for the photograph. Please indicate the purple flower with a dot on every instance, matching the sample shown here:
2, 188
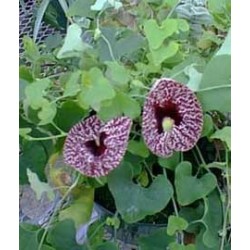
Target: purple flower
172, 118
95, 148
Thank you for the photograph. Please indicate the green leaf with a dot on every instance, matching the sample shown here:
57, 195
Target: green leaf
35, 91
194, 77
73, 45
64, 5
24, 132
223, 134
81, 8
164, 52
176, 246
170, 162
218, 98
225, 49
138, 148
113, 222
53, 41
208, 125
217, 7
124, 43
171, 3
157, 240
40, 187
217, 72
68, 115
80, 209
72, 86
47, 113
28, 236
117, 74
176, 224
190, 188
212, 221
157, 34
183, 25
39, 16
121, 104
191, 214
46, 247
22, 85
134, 202
96, 89
34, 157
31, 49
107, 246
104, 4
25, 74
62, 236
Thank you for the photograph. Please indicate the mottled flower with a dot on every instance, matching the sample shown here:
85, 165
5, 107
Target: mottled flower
94, 148
172, 118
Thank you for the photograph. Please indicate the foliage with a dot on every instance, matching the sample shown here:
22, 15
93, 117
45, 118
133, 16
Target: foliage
105, 64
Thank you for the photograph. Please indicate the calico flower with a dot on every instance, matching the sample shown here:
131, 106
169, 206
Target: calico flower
172, 118
95, 148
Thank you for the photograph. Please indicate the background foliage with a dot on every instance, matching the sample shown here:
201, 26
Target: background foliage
106, 63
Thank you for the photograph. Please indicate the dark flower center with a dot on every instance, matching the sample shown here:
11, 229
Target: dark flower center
167, 110
97, 147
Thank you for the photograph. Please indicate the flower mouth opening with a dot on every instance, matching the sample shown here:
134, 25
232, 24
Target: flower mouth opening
97, 146
167, 110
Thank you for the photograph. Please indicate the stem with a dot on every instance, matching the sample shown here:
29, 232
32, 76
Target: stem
180, 234
149, 170
216, 87
115, 229
46, 138
172, 10
57, 208
96, 230
175, 207
200, 155
224, 229
109, 47
60, 130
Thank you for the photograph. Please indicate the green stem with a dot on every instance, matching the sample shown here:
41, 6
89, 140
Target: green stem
200, 155
109, 47
216, 87
59, 129
96, 230
224, 229
172, 10
57, 208
180, 234
46, 138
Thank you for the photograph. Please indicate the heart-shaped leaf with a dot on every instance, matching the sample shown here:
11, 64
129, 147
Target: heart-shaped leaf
190, 188
176, 224
73, 45
134, 202
35, 91
62, 236
121, 104
96, 88
164, 52
212, 221
157, 34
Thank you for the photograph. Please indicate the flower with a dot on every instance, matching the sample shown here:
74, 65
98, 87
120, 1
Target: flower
172, 118
95, 148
